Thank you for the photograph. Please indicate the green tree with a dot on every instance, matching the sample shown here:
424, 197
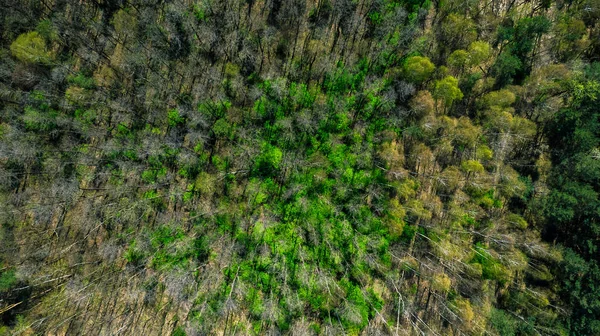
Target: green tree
479, 51
519, 39
569, 41
457, 31
502, 98
418, 68
31, 48
572, 206
459, 59
268, 162
395, 220
447, 91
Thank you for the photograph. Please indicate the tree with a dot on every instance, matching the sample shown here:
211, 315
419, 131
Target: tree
570, 41
31, 48
392, 154
447, 91
571, 207
395, 221
502, 98
459, 59
507, 66
472, 168
125, 24
521, 39
456, 32
278, 167
418, 68
422, 104
268, 162
479, 51
450, 179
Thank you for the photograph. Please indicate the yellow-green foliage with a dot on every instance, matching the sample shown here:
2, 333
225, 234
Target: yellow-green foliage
450, 179
447, 90
459, 31
459, 59
392, 154
205, 183
484, 152
472, 166
395, 218
76, 95
406, 189
441, 282
463, 308
418, 68
416, 208
124, 22
479, 51
502, 98
31, 48
299, 167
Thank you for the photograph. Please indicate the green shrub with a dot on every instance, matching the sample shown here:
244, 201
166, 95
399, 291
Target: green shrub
7, 280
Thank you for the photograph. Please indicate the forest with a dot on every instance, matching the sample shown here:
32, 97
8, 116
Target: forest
300, 167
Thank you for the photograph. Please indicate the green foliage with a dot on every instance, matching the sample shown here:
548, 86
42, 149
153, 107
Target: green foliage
344, 80
507, 67
580, 285
418, 68
133, 255
447, 90
268, 162
77, 96
169, 251
87, 117
205, 183
31, 48
472, 166
82, 81
492, 268
332, 179
459, 59
503, 323
571, 207
124, 22
152, 175
179, 332
164, 236
457, 31
502, 98
47, 30
39, 121
517, 221
484, 152
175, 118
395, 220
514, 64
7, 280
200, 12
221, 128
570, 39
479, 51
356, 311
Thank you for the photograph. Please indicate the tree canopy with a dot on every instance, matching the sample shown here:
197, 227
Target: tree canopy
372, 167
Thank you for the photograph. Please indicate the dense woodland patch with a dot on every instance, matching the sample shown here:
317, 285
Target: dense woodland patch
246, 167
